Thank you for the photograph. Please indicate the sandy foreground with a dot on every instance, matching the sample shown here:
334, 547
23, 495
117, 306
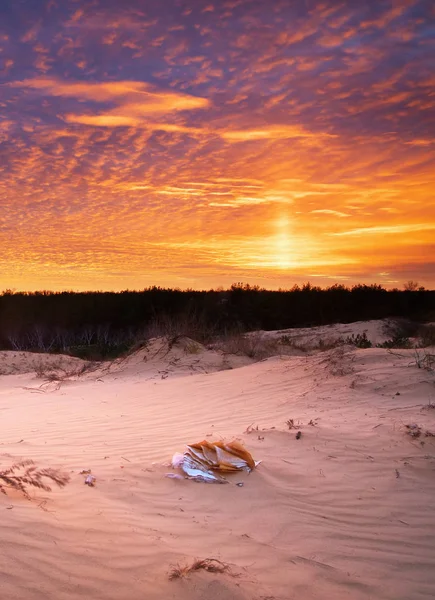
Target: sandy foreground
345, 512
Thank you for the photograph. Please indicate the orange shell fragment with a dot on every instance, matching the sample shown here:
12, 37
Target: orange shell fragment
220, 456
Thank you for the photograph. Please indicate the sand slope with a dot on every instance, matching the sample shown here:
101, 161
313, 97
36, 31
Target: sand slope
307, 337
346, 512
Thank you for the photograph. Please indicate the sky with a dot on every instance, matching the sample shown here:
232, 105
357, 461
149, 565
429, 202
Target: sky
195, 144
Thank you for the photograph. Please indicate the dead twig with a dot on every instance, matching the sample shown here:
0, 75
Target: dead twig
415, 431
25, 473
211, 565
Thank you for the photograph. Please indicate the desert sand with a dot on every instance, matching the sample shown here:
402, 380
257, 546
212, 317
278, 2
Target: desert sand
345, 512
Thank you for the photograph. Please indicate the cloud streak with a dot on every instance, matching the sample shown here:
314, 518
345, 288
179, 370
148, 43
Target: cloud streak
387, 229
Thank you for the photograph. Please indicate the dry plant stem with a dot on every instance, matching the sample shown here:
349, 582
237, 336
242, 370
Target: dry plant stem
211, 565
25, 473
291, 424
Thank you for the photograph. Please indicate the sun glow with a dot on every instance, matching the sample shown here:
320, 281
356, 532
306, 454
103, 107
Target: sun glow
284, 247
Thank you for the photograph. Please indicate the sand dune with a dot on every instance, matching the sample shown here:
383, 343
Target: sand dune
310, 336
345, 512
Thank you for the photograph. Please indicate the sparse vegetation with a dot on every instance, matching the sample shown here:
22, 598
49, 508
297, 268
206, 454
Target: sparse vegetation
360, 340
211, 565
56, 371
24, 474
327, 344
398, 343
291, 424
192, 347
339, 363
321, 344
256, 345
399, 331
424, 360
415, 431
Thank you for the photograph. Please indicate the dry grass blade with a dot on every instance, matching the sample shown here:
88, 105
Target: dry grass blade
211, 565
291, 424
424, 360
25, 473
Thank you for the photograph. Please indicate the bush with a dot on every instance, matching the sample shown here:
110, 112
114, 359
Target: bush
360, 340
101, 351
399, 329
328, 344
424, 360
401, 342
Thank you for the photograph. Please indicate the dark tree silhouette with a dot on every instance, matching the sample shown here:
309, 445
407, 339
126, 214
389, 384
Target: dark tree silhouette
98, 325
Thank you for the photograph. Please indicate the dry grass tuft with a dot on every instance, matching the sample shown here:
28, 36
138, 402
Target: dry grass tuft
256, 345
211, 565
339, 362
25, 473
400, 328
291, 424
57, 372
415, 431
251, 428
424, 360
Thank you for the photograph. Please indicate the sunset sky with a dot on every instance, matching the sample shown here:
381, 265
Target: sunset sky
188, 143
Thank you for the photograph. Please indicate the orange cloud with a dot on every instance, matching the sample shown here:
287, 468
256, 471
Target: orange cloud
329, 211
387, 229
271, 133
137, 95
390, 15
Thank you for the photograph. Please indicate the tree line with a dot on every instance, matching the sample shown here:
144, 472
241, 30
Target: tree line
105, 324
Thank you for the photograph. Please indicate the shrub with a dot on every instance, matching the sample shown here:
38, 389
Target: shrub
360, 340
401, 342
100, 351
398, 329
328, 344
58, 372
424, 360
